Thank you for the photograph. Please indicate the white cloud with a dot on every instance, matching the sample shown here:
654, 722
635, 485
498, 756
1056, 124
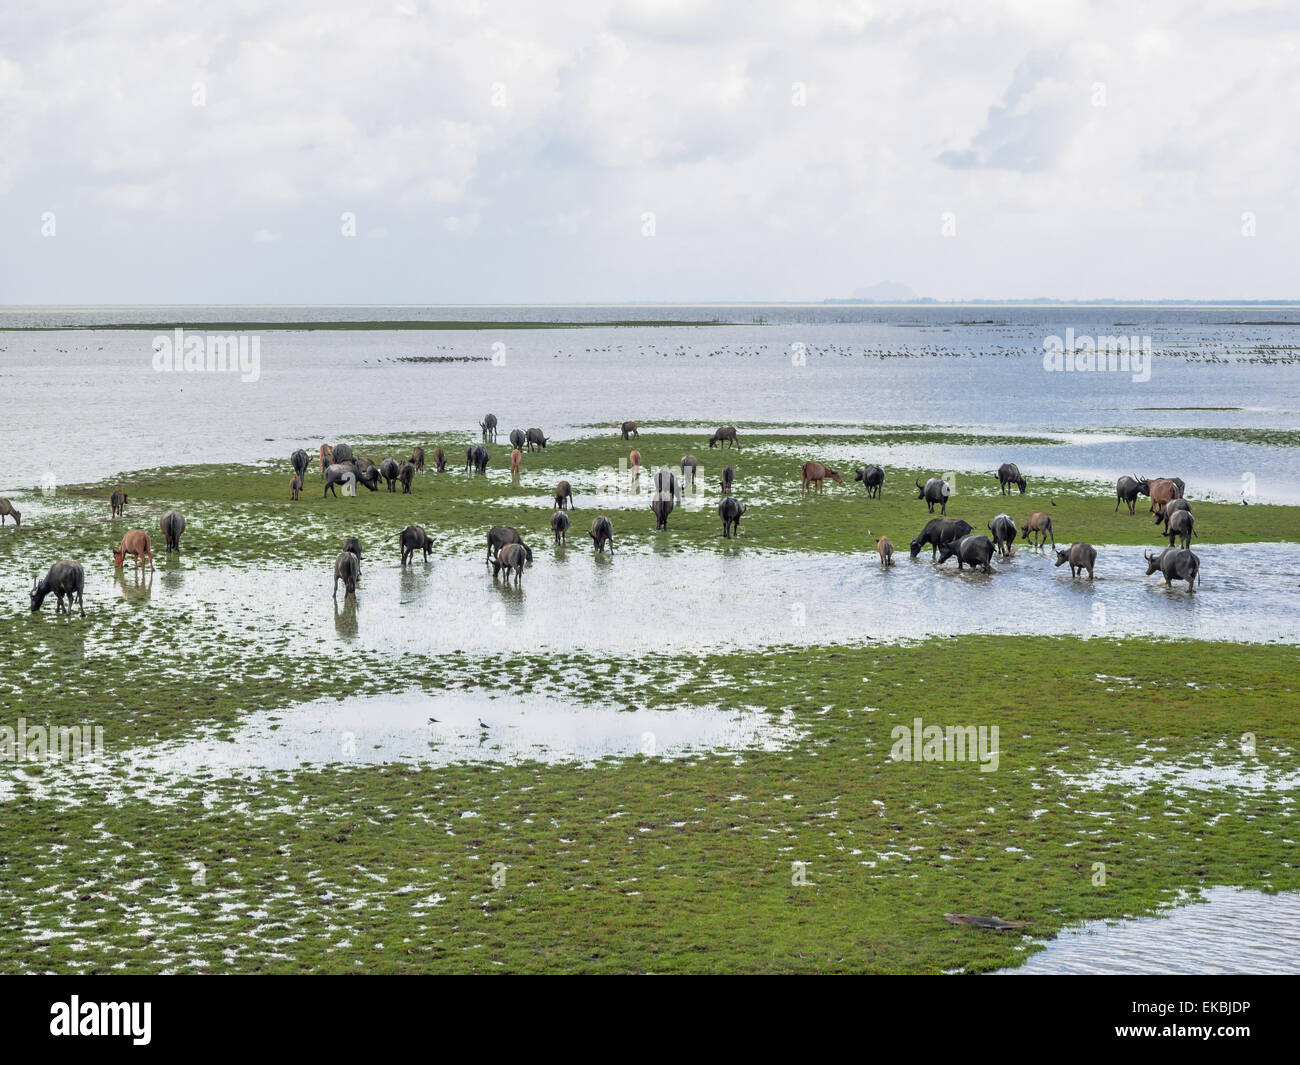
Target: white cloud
684, 108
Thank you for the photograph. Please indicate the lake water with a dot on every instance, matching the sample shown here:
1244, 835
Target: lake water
83, 405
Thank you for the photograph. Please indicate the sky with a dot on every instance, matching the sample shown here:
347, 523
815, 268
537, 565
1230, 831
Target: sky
338, 151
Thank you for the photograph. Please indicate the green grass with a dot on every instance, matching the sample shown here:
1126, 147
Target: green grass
681, 866
639, 864
244, 514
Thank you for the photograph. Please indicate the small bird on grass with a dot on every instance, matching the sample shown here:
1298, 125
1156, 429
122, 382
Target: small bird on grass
994, 923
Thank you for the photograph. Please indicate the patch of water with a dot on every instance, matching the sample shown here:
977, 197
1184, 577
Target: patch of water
1226, 931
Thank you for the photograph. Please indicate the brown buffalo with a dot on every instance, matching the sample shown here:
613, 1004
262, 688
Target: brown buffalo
1040, 525
136, 542
814, 473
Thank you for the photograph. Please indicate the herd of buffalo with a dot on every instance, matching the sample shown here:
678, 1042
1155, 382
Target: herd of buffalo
506, 551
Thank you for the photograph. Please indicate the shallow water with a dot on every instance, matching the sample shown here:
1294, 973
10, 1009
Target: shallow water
688, 602
1231, 931
331, 385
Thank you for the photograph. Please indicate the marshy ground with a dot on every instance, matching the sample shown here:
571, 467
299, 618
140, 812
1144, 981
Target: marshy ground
649, 795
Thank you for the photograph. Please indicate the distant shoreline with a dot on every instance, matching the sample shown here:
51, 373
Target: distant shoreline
372, 326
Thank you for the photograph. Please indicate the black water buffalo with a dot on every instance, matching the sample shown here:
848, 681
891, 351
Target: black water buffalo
1175, 564
1179, 527
536, 441
560, 526
730, 511
388, 470
872, 478
563, 494
602, 532
476, 458
629, 430
728, 478
172, 524
725, 435
667, 492
117, 502
934, 491
666, 483
406, 475
1009, 474
489, 427
343, 453
500, 535
414, 539
511, 557
1162, 515
64, 578
341, 473
937, 532
299, 460
1004, 531
347, 568
1080, 557
689, 462
974, 551
518, 438
352, 545
1127, 489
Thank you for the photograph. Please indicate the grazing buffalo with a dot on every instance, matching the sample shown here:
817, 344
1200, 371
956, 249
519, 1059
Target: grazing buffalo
500, 535
1179, 527
439, 460
1175, 564
934, 491
872, 478
295, 486
937, 532
417, 457
7, 510
349, 473
300, 461
388, 470
563, 492
65, 578
136, 543
661, 504
1161, 492
116, 502
347, 567
815, 474
518, 438
1009, 474
489, 427
1127, 489
974, 551
353, 546
406, 475
1162, 515
689, 462
1040, 526
1003, 528
666, 484
414, 539
723, 436
172, 524
560, 526
343, 453
885, 549
602, 532
629, 430
1080, 557
730, 511
326, 457
476, 458
728, 477
536, 441
511, 557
